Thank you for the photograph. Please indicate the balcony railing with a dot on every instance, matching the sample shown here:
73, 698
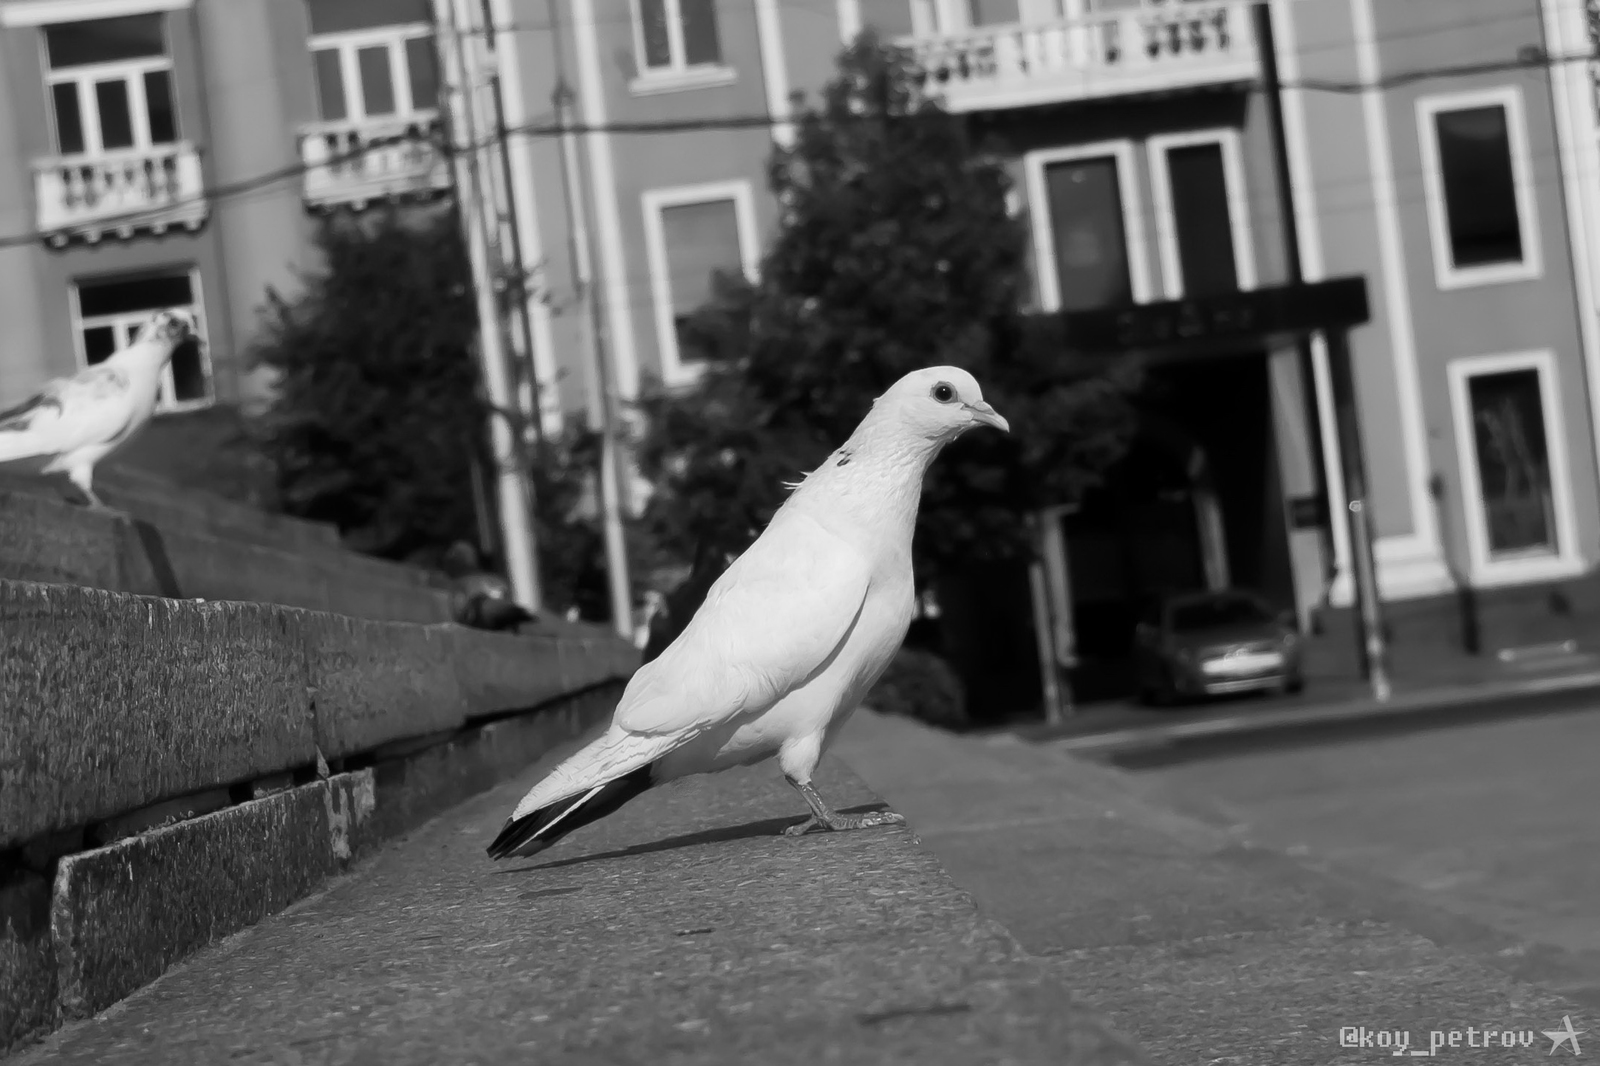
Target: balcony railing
349, 164
150, 189
1173, 46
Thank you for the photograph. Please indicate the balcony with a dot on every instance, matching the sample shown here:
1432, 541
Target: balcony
120, 193
352, 163
1173, 46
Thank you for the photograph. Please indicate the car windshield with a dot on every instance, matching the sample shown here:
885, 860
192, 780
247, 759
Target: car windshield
1216, 612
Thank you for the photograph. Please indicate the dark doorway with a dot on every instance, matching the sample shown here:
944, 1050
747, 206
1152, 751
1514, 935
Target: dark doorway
1196, 503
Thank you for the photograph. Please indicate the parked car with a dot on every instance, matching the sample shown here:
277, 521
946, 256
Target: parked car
1215, 643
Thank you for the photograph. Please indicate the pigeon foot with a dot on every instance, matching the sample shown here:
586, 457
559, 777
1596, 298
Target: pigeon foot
829, 820
840, 822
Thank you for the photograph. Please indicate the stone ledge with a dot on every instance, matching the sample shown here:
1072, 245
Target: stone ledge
45, 539
114, 702
121, 915
682, 929
117, 702
118, 917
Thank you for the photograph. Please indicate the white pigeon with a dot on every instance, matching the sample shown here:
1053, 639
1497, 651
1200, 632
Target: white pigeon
73, 423
789, 639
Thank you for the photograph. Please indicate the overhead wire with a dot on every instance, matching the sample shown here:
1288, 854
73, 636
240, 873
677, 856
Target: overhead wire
1531, 58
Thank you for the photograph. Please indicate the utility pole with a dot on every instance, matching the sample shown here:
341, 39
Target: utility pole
492, 116
593, 327
462, 68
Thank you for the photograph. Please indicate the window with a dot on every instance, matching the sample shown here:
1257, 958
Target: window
692, 234
1201, 213
373, 59
674, 35
110, 84
1479, 191
1087, 235
110, 312
1513, 466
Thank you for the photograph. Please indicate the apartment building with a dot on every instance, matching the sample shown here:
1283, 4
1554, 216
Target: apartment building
1446, 151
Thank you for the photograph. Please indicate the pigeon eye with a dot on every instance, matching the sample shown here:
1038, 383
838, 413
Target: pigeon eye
943, 392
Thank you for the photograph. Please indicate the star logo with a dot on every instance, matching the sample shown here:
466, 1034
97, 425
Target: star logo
1565, 1035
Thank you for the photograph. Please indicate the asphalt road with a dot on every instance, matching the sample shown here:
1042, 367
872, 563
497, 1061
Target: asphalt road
1205, 950
1487, 834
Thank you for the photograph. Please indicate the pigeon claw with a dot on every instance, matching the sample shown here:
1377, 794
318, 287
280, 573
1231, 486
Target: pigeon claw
841, 822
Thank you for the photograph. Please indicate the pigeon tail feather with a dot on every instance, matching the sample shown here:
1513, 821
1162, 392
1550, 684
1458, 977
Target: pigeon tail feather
22, 444
537, 830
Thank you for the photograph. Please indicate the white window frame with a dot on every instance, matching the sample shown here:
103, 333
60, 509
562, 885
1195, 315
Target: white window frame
1446, 275
1044, 252
131, 72
678, 74
1521, 568
166, 404
347, 43
49, 12
674, 370
1166, 219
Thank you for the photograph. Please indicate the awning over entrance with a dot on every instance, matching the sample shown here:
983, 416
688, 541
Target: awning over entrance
1204, 325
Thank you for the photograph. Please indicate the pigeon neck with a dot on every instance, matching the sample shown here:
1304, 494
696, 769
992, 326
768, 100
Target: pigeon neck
874, 477
148, 355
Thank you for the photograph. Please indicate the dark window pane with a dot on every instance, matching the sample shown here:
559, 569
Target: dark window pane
158, 99
993, 12
130, 296
334, 16
1091, 246
189, 373
700, 32
1479, 192
702, 240
377, 83
1513, 461
422, 63
98, 344
69, 120
72, 44
330, 84
657, 50
1200, 214
116, 120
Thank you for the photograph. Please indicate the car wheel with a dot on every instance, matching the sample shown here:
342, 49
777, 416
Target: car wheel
1295, 685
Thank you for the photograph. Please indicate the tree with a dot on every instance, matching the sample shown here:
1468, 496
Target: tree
378, 413
896, 251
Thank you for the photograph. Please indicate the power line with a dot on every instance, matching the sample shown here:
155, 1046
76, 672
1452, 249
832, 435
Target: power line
1531, 60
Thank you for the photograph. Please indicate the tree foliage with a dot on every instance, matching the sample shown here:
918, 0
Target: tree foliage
378, 413
896, 251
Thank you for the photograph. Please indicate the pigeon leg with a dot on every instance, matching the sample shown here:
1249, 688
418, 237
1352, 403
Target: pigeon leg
826, 818
83, 478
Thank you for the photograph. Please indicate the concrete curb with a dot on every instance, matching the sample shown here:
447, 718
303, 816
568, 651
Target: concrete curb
115, 918
1445, 704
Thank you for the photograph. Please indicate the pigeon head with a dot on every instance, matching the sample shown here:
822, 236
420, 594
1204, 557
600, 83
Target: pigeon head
173, 327
940, 403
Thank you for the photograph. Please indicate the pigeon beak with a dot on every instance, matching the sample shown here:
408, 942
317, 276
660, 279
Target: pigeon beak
982, 412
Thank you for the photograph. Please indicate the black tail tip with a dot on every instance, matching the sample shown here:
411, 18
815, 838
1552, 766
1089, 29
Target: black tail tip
537, 830
517, 839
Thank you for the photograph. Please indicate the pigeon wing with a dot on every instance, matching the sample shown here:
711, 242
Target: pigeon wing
92, 408
769, 624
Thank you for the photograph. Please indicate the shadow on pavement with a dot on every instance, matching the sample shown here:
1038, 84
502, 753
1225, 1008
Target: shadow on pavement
765, 827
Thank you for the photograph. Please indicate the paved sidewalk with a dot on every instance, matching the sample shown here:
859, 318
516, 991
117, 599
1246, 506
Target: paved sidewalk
1205, 949
1487, 690
683, 929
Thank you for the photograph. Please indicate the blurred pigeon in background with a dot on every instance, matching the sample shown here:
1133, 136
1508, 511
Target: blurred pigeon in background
790, 637
75, 422
682, 603
478, 598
